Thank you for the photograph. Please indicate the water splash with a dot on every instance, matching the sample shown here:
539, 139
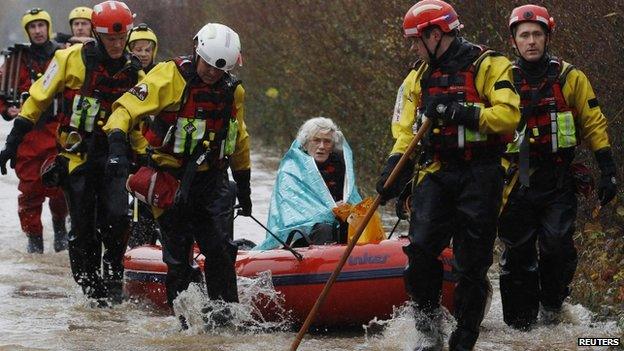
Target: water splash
399, 332
260, 308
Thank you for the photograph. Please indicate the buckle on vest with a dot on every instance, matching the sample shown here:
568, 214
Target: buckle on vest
189, 128
72, 141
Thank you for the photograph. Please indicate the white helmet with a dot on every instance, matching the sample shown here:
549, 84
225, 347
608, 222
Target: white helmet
219, 46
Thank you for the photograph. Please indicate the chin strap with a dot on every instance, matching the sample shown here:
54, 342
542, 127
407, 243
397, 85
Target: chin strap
433, 58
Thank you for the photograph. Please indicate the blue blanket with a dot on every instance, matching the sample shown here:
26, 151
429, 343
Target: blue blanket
300, 197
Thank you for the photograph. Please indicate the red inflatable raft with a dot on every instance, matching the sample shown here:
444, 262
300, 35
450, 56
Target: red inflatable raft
370, 283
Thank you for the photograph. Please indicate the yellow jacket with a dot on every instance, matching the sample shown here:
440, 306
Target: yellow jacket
165, 87
65, 71
591, 123
501, 117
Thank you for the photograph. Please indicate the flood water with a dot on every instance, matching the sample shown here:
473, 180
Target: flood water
43, 309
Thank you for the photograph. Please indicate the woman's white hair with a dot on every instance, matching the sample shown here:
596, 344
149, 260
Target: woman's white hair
320, 124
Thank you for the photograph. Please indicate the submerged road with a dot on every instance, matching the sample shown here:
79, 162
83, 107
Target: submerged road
43, 309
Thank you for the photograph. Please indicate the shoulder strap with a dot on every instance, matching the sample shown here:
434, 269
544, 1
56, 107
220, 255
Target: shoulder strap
516, 72
566, 68
552, 73
231, 83
185, 66
90, 58
416, 65
29, 66
485, 52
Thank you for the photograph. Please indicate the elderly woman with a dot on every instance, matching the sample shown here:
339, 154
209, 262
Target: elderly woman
314, 176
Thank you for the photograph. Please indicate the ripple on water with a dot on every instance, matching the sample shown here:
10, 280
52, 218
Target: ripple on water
43, 309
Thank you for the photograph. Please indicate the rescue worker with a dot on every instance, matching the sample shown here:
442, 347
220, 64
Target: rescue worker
90, 77
39, 142
467, 92
80, 26
559, 110
198, 129
80, 22
143, 43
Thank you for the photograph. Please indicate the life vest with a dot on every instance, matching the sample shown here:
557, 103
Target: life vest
446, 141
550, 122
31, 69
35, 60
87, 109
205, 122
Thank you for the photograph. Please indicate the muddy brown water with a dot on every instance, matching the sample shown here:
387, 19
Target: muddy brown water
41, 308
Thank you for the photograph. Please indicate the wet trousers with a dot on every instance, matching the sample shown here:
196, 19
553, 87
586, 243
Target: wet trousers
458, 202
539, 260
98, 208
30, 205
205, 219
38, 145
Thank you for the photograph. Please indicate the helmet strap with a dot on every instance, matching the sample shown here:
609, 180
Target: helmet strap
515, 46
546, 44
96, 36
433, 58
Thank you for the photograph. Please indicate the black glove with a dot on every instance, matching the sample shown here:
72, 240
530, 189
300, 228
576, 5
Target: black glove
135, 63
399, 183
401, 206
452, 112
118, 163
62, 38
21, 126
54, 170
607, 186
5, 113
243, 190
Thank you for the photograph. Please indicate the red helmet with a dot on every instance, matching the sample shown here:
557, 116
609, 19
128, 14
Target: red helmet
112, 17
531, 13
428, 13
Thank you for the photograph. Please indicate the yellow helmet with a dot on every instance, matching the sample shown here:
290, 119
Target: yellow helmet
80, 12
143, 32
37, 14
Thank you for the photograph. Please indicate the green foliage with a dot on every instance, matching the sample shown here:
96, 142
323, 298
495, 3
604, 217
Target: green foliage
339, 59
346, 59
599, 282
